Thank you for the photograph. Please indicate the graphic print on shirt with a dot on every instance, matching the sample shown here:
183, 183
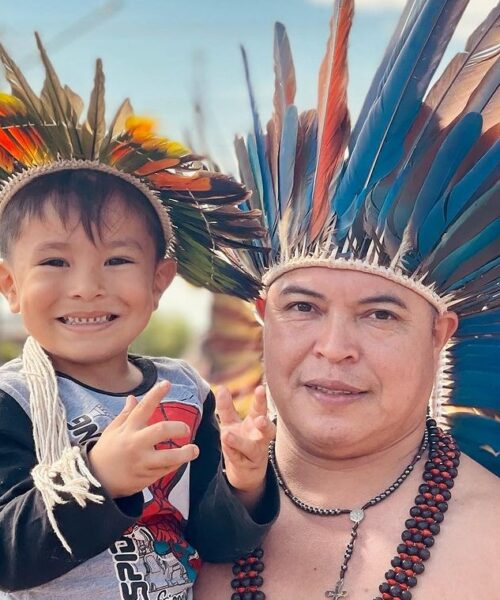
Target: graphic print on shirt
153, 561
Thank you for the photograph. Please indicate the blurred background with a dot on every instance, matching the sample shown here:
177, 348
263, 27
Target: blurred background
180, 63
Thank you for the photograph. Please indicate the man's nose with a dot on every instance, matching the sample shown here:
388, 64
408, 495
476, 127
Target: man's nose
87, 282
337, 340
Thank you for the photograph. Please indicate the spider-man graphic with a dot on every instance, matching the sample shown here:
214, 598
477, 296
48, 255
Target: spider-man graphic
168, 560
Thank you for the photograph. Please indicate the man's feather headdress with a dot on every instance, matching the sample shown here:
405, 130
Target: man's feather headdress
411, 193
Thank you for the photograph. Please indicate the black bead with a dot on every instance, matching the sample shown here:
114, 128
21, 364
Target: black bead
247, 567
424, 554
415, 511
247, 596
236, 569
259, 595
258, 553
384, 587
405, 595
235, 583
431, 423
412, 581
407, 564
428, 541
419, 499
438, 517
435, 490
426, 514
396, 561
431, 503
438, 479
434, 527
426, 477
449, 483
446, 494
401, 548
235, 596
245, 582
412, 551
257, 580
400, 577
395, 590
423, 489
418, 567
390, 574
406, 535
417, 537
422, 525
442, 507
258, 566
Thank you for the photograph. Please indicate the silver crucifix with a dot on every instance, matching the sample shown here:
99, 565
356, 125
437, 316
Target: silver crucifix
337, 593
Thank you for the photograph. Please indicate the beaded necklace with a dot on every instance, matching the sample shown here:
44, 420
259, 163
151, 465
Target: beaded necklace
426, 515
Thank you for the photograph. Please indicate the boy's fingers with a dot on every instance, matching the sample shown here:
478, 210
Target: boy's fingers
225, 408
163, 431
259, 404
129, 405
250, 449
266, 427
141, 414
173, 458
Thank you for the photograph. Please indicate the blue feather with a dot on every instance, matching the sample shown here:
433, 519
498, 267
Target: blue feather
475, 434
268, 197
381, 141
287, 150
423, 231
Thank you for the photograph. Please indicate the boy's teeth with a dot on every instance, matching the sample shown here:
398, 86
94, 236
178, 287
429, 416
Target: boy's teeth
86, 320
329, 391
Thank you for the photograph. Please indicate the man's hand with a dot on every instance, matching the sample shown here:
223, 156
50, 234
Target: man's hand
244, 444
125, 460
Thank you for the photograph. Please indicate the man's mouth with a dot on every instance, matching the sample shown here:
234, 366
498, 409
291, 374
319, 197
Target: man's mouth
94, 320
333, 388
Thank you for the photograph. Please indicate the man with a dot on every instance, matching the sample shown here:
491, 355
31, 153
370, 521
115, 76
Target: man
376, 262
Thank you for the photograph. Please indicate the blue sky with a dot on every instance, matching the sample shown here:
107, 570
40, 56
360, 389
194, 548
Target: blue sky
155, 50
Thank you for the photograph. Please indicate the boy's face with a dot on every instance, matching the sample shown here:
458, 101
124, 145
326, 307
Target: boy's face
85, 301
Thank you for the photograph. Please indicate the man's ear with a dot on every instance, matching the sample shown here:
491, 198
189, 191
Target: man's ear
164, 273
445, 326
8, 287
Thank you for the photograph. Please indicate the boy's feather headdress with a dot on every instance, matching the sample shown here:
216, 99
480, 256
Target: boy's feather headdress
411, 194
198, 209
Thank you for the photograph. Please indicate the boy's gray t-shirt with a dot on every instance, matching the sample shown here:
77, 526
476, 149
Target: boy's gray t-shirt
151, 561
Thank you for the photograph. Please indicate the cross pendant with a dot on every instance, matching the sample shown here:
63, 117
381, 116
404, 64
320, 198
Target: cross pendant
338, 592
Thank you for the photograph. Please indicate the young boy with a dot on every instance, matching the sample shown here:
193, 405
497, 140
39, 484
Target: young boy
96, 482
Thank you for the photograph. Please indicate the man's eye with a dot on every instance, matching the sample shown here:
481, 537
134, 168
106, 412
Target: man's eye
382, 315
117, 260
302, 307
55, 262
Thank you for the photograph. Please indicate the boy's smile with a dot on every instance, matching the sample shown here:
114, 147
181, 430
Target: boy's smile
85, 301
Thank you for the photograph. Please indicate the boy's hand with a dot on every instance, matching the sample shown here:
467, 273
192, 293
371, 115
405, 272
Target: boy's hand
125, 460
245, 443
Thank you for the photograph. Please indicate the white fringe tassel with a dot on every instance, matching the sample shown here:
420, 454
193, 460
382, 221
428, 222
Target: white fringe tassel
61, 468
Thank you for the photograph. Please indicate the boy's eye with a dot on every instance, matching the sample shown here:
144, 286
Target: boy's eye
55, 262
118, 260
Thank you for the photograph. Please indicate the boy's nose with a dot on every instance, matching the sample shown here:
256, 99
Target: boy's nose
87, 284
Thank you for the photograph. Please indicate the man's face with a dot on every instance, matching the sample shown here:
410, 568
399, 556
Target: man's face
350, 358
85, 301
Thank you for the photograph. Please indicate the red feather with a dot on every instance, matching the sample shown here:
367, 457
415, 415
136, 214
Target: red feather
333, 115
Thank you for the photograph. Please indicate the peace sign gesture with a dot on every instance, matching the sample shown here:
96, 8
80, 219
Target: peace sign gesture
125, 460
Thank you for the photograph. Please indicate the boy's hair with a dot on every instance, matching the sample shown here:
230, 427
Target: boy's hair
87, 192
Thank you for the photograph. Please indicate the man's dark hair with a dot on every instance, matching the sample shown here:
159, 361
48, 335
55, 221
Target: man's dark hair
86, 191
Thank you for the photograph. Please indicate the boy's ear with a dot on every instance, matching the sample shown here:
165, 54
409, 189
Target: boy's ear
165, 272
8, 287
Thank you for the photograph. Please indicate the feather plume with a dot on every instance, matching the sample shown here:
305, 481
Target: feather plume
333, 115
